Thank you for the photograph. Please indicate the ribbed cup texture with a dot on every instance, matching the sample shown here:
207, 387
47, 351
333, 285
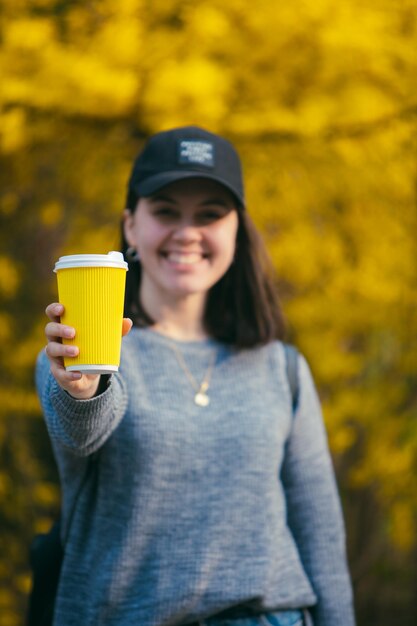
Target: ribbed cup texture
93, 300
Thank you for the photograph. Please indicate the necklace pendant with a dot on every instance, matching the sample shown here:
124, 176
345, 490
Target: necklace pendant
201, 398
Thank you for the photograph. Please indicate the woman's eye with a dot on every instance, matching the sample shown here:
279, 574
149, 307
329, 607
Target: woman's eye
210, 216
164, 212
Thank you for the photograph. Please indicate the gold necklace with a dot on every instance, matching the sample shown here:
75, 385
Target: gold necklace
200, 397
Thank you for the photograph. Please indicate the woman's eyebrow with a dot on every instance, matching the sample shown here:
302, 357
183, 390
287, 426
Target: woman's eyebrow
161, 198
216, 200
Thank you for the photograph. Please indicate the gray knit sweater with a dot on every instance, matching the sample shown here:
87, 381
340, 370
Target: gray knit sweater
182, 511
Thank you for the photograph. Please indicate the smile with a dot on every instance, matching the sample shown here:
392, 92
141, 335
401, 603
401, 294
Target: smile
188, 258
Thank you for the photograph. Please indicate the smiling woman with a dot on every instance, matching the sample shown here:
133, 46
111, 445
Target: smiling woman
196, 490
185, 239
200, 208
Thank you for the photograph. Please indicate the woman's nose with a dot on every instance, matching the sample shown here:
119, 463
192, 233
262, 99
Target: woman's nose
187, 231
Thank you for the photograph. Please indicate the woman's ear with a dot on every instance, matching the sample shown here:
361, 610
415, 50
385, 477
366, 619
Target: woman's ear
128, 222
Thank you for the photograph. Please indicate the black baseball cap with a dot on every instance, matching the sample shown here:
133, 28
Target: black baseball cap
186, 152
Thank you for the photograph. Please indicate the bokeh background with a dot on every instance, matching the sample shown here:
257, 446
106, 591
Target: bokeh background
320, 98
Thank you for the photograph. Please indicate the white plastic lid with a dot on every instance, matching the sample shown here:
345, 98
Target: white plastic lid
112, 259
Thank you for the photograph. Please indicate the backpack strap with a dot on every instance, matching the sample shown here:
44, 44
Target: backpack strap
291, 363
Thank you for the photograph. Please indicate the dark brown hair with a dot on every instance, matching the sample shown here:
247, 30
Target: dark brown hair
242, 308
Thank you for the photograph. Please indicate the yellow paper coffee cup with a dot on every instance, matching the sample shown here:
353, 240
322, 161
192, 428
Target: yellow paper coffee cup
91, 288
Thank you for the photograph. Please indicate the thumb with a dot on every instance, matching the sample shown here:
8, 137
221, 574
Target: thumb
126, 326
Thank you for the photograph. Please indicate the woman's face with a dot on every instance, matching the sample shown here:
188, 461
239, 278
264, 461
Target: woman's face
185, 235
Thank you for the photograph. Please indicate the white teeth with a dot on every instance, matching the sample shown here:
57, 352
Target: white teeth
184, 259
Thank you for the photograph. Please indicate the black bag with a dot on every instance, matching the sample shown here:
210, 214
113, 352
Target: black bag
45, 559
46, 553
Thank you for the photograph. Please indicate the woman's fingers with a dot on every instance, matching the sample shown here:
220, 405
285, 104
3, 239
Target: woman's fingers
126, 325
54, 330
54, 349
55, 352
75, 383
54, 311
63, 378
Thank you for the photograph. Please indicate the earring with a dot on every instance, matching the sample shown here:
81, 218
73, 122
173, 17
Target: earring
132, 255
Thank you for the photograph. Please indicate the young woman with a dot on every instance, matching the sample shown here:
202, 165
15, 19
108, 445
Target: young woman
193, 493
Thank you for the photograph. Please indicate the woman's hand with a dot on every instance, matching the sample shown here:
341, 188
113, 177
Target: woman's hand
78, 385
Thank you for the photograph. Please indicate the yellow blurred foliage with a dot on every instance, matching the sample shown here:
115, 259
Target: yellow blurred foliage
17, 400
13, 130
403, 526
8, 203
9, 278
46, 494
5, 326
319, 98
51, 213
203, 93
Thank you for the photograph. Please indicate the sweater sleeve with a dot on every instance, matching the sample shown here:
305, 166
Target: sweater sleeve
314, 510
80, 426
